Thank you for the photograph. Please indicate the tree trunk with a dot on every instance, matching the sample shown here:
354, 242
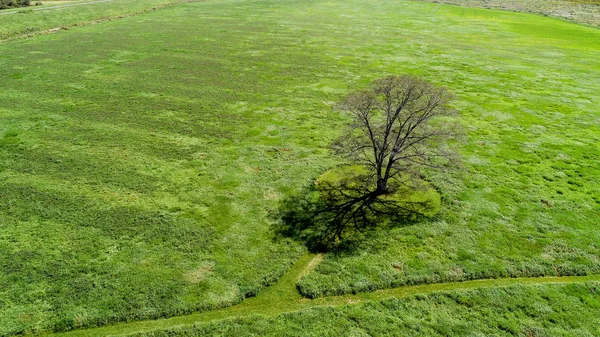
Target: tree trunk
381, 186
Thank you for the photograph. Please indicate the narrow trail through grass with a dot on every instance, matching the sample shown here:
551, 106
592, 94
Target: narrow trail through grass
283, 297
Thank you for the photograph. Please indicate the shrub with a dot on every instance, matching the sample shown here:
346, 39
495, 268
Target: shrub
7, 4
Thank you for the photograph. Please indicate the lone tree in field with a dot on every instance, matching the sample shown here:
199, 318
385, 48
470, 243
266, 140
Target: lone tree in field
399, 125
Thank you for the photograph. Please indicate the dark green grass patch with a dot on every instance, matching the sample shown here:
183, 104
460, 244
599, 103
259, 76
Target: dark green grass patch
551, 310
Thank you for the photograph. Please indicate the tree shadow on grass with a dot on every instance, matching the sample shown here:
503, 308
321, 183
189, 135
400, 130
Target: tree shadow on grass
341, 216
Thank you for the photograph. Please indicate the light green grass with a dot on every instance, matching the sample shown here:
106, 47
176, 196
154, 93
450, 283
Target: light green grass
31, 21
282, 298
528, 201
139, 165
552, 310
140, 158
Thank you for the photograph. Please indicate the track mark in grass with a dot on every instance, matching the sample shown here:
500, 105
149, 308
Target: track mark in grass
198, 275
312, 265
268, 305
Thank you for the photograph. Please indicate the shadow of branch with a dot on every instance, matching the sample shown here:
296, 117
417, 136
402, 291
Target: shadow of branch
340, 218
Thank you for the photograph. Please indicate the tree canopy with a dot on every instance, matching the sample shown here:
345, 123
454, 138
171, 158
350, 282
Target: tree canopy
399, 125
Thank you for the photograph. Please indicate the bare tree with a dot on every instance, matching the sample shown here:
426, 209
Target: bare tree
399, 125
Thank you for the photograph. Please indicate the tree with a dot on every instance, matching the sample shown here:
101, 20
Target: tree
394, 131
399, 125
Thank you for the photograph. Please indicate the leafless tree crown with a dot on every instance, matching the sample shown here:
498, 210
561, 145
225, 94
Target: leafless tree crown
398, 125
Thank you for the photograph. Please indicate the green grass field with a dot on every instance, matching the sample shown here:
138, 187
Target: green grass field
552, 310
528, 203
140, 159
30, 21
283, 299
585, 12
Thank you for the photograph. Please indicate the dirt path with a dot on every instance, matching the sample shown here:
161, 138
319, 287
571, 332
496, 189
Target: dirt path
283, 297
53, 7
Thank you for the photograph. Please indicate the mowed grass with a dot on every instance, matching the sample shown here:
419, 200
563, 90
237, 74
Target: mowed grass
140, 159
549, 310
35, 20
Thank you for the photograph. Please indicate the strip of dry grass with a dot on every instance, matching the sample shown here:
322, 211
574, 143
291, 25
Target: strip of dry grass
585, 12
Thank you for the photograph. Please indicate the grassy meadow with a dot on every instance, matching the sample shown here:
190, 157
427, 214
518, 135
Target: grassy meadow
26, 22
137, 168
550, 310
140, 159
585, 12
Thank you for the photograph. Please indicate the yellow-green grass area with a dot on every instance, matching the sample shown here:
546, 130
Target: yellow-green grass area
52, 16
550, 310
523, 310
140, 159
282, 303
